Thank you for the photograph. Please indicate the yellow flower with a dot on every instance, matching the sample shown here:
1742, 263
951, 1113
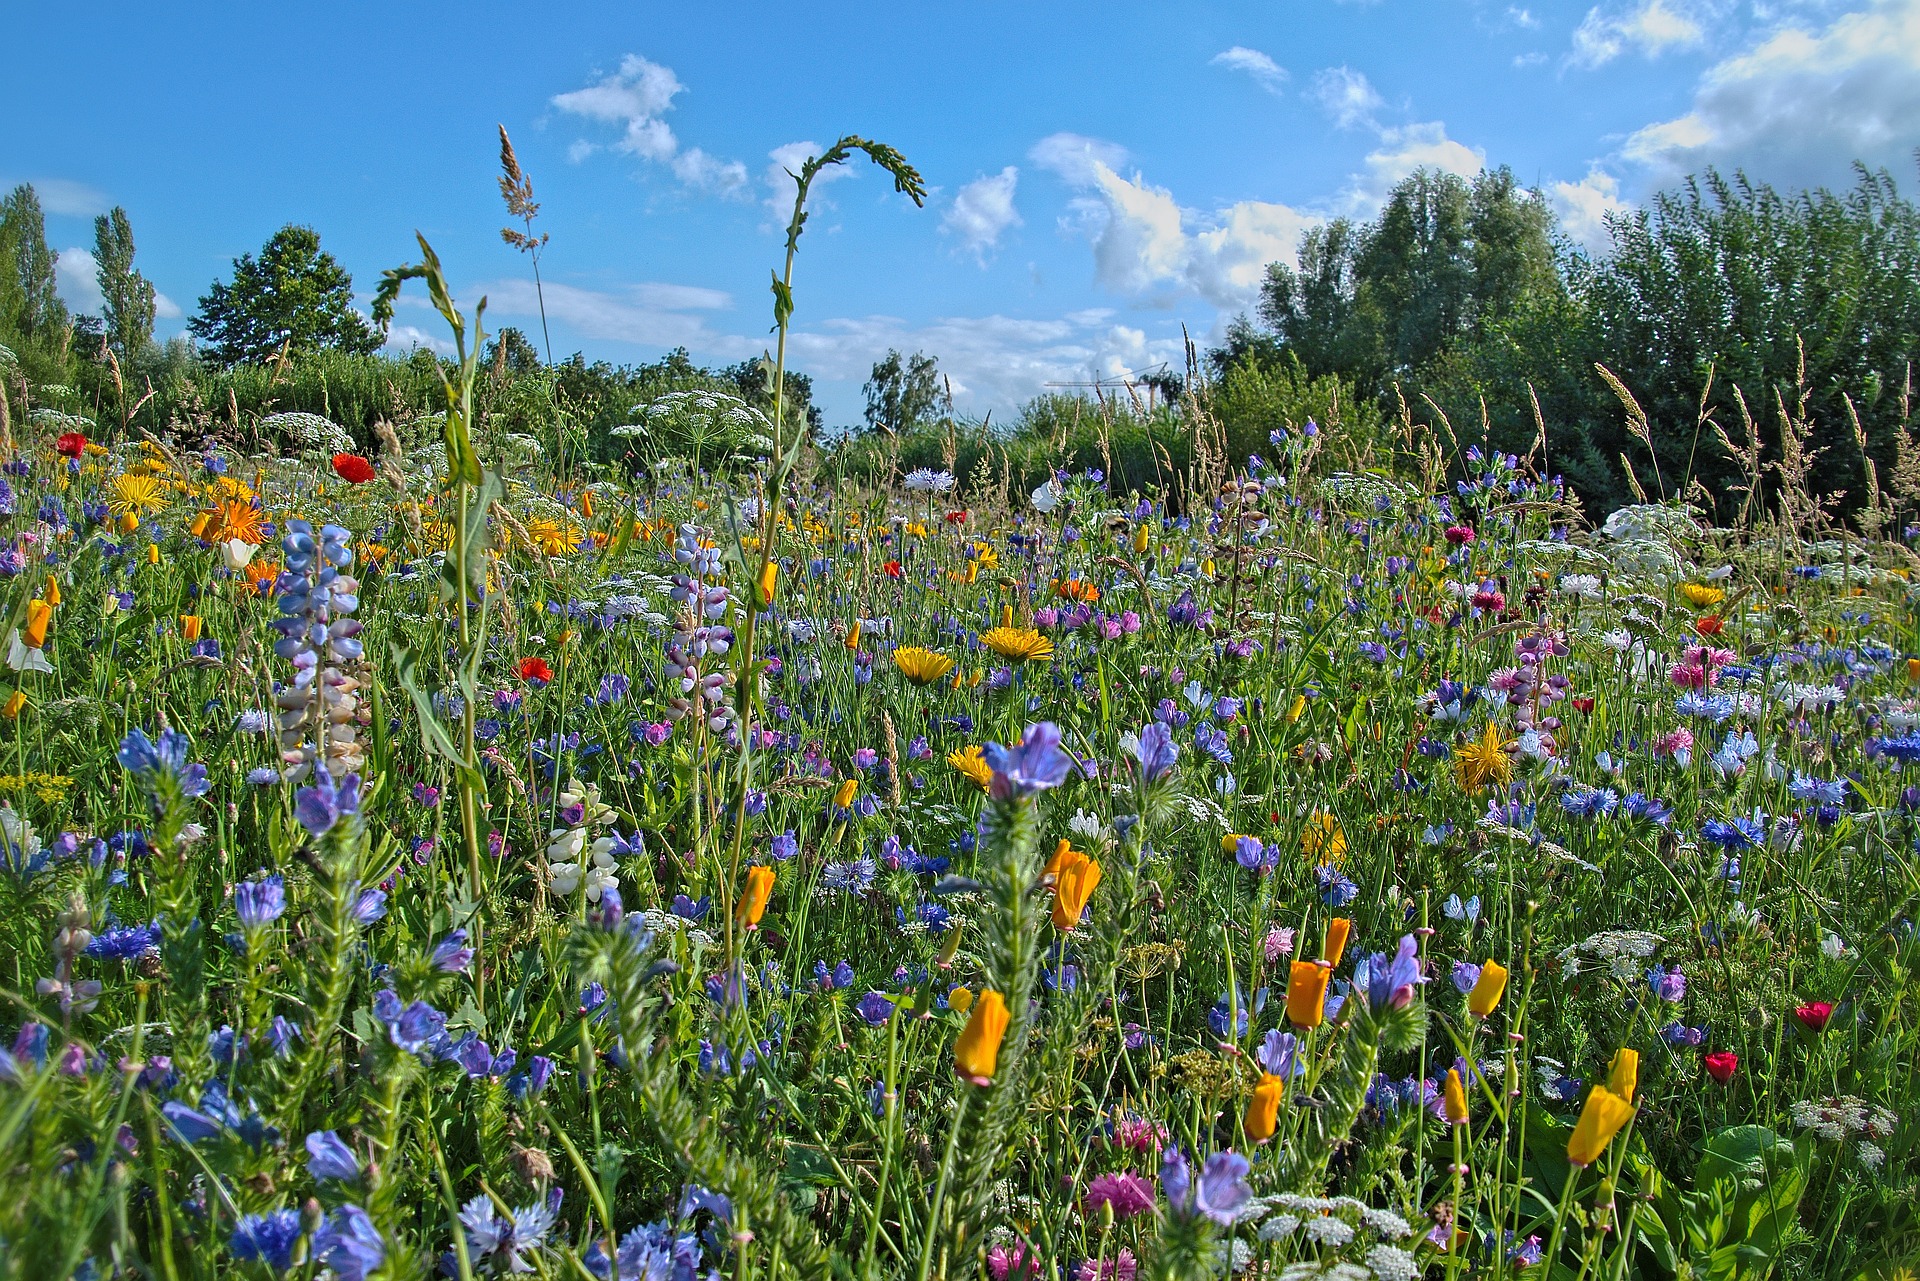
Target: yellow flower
190, 625
960, 1000
984, 555
1019, 644
234, 518
1699, 595
1307, 993
13, 705
1323, 841
1298, 709
1487, 989
844, 794
1600, 1120
921, 666
1626, 1073
769, 578
1263, 1109
977, 1052
1483, 762
553, 537
153, 553
753, 899
52, 593
1455, 1098
39, 614
853, 637
136, 495
971, 764
1141, 536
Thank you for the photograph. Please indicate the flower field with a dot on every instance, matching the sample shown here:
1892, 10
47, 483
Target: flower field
444, 860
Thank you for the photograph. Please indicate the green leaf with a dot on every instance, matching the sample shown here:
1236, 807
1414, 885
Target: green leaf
433, 732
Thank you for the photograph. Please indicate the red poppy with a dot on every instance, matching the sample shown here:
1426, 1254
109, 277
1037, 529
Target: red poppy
893, 570
535, 669
1709, 625
1722, 1064
1584, 704
72, 444
352, 468
1814, 1014
956, 518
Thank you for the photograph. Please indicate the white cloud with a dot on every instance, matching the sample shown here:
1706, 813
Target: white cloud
165, 308
784, 161
637, 98
1074, 156
68, 198
653, 315
74, 275
1583, 206
1801, 105
982, 210
407, 337
1402, 150
1651, 26
1267, 73
1346, 96
1522, 18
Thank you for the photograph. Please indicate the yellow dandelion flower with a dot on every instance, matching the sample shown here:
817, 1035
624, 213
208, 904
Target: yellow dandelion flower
136, 495
970, 763
1020, 644
553, 537
1483, 762
921, 666
1323, 841
983, 555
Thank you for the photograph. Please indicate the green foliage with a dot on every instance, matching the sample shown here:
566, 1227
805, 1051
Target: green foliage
293, 299
905, 393
129, 308
33, 320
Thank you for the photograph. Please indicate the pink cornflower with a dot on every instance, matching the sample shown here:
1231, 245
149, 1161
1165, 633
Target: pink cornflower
1279, 942
1460, 535
1126, 1192
1680, 740
1138, 1134
1121, 1267
1689, 676
1002, 1263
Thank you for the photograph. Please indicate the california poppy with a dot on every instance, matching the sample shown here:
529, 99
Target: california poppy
39, 614
1337, 931
1071, 892
535, 669
1263, 1109
1487, 990
977, 1052
1624, 1076
190, 625
1600, 1120
1307, 993
1454, 1098
753, 899
352, 468
844, 794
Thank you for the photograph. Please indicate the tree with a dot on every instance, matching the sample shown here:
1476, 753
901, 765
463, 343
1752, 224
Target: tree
129, 296
904, 391
30, 305
294, 296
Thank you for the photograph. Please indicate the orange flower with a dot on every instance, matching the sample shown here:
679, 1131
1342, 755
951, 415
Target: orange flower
39, 614
1625, 1074
1709, 625
1337, 930
753, 899
977, 1052
1307, 993
1263, 1109
53, 590
1600, 1120
1487, 989
1455, 1098
13, 705
1075, 886
190, 627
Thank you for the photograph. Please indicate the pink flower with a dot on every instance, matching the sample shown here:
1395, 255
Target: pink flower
1120, 1268
1460, 535
1129, 622
1681, 740
1138, 1134
1279, 942
1002, 1263
1126, 1192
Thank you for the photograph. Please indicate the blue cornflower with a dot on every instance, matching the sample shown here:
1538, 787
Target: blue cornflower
1735, 833
1589, 802
1827, 792
1335, 889
126, 943
1645, 809
1713, 707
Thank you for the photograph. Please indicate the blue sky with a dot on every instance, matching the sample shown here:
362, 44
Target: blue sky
1104, 173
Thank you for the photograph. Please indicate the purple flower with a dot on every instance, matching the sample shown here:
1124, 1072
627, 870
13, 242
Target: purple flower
1276, 1055
267, 1237
1669, 985
325, 803
1036, 765
370, 906
785, 846
452, 955
1222, 1188
1465, 975
189, 1125
329, 1158
349, 1245
161, 763
1387, 983
260, 903
875, 1008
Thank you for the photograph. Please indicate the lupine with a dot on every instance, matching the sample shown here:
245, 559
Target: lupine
320, 710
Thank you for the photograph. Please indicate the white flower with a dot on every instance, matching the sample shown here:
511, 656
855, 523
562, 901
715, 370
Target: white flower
24, 658
1045, 498
21, 839
1087, 825
927, 480
1719, 575
1620, 639
236, 553
1582, 586
1391, 1263
1832, 948
1870, 1155
1327, 1230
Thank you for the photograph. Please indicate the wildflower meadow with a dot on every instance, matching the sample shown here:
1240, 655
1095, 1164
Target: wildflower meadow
440, 851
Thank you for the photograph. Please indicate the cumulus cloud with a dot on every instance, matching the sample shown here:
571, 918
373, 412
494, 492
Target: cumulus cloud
1347, 96
407, 337
68, 198
650, 315
1583, 206
637, 98
784, 161
1801, 104
1143, 240
1403, 149
1652, 27
982, 210
74, 275
1267, 73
